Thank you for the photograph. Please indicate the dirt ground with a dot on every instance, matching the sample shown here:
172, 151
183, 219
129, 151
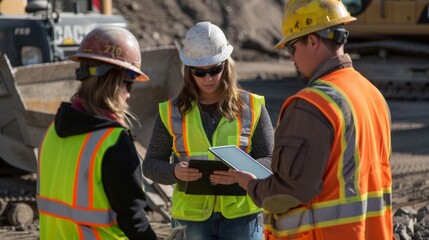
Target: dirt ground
251, 26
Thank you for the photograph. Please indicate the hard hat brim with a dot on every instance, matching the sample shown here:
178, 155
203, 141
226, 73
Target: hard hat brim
210, 60
142, 77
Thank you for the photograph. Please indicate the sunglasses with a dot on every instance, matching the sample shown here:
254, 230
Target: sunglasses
211, 71
129, 84
290, 46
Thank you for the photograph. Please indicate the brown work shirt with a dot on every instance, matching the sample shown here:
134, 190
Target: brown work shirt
302, 146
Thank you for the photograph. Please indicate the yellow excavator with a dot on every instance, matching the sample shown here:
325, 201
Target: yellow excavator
389, 43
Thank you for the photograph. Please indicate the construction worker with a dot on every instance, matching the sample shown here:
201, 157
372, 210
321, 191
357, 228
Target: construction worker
331, 173
90, 180
211, 110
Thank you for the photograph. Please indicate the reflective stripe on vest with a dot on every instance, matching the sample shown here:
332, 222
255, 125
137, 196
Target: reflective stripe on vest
324, 216
87, 233
81, 211
351, 205
349, 146
178, 127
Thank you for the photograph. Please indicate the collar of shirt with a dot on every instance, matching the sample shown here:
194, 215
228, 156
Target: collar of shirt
331, 65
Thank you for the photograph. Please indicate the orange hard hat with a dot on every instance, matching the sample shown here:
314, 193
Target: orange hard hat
113, 45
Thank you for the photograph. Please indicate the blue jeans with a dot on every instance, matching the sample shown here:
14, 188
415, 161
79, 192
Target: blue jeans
218, 227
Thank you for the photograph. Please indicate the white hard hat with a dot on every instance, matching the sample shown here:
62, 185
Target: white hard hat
205, 44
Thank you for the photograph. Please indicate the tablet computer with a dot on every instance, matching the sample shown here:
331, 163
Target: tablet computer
236, 158
203, 186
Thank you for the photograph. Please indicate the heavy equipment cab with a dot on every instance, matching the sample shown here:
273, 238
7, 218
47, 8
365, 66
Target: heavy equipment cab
50, 31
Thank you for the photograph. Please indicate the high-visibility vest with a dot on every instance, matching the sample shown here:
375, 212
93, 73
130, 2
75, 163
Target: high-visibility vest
356, 199
190, 141
71, 200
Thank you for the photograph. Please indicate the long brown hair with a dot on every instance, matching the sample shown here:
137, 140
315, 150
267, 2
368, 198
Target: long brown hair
103, 93
230, 105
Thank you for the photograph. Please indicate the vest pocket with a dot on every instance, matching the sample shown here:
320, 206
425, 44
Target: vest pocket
291, 152
191, 207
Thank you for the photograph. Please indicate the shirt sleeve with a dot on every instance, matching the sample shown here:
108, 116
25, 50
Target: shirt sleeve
123, 183
302, 148
156, 165
263, 139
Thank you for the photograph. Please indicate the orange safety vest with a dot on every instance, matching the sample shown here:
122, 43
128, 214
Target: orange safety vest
71, 200
355, 200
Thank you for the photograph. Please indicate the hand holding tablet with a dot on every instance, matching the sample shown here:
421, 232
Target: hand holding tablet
237, 159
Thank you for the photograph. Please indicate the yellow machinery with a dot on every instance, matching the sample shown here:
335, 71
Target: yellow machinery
394, 18
390, 46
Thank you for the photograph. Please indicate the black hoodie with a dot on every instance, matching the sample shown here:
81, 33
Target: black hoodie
121, 170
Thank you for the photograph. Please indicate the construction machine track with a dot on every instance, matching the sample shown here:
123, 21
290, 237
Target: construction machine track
399, 69
18, 210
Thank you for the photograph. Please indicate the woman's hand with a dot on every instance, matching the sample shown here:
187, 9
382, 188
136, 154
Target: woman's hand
185, 173
222, 177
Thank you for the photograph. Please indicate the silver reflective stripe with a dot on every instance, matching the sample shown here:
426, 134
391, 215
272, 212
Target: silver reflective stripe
349, 165
88, 233
176, 125
79, 215
387, 196
199, 157
83, 171
320, 216
246, 121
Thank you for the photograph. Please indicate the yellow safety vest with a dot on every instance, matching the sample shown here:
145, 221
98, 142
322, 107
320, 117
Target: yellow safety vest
71, 200
190, 141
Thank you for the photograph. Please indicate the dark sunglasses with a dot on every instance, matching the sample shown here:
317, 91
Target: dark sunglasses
211, 71
290, 46
129, 84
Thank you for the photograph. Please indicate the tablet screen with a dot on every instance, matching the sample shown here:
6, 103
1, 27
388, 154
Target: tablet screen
240, 160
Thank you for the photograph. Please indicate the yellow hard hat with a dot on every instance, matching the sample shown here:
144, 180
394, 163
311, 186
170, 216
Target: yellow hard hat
302, 17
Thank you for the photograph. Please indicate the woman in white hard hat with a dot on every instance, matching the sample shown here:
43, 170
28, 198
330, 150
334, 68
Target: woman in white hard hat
211, 110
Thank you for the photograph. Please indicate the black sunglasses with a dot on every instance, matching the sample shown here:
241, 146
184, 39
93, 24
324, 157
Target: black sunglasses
211, 71
129, 84
290, 46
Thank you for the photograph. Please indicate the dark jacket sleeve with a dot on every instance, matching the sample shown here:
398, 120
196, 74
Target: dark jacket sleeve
302, 147
123, 181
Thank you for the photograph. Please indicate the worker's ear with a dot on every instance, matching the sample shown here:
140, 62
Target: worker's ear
314, 40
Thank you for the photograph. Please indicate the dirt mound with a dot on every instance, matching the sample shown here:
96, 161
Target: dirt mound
253, 27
